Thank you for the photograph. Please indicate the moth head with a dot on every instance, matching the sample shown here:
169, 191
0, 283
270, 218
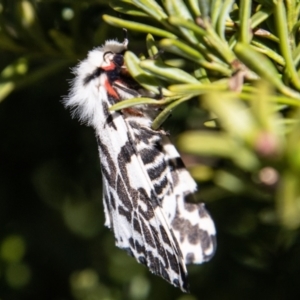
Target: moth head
111, 59
83, 96
102, 57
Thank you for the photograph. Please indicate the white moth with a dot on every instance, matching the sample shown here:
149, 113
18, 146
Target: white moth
145, 183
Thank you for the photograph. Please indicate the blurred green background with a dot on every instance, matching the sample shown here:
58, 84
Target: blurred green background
53, 244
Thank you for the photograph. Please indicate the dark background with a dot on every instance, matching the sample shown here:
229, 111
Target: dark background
53, 244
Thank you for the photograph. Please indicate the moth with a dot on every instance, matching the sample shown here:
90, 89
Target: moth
145, 183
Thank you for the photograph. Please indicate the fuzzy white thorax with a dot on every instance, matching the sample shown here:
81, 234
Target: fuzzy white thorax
84, 98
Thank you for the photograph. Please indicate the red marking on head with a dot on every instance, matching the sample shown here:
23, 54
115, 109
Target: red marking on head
110, 67
110, 90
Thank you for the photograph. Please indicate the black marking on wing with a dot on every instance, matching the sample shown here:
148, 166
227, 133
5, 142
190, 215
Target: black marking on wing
147, 235
139, 248
148, 214
164, 235
125, 89
111, 174
161, 185
112, 200
142, 260
147, 156
146, 135
176, 163
126, 153
193, 233
125, 213
136, 225
109, 116
156, 171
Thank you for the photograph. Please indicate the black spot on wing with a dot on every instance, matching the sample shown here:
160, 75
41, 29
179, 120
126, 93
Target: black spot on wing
147, 156
139, 248
147, 235
142, 260
126, 153
161, 185
176, 163
125, 213
111, 100
205, 239
157, 170
195, 235
136, 225
176, 282
131, 243
110, 122
110, 116
164, 235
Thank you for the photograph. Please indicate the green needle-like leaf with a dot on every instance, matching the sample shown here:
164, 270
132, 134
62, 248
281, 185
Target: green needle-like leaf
135, 26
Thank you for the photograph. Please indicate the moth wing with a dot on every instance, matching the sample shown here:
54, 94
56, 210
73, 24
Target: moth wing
191, 223
132, 193
131, 203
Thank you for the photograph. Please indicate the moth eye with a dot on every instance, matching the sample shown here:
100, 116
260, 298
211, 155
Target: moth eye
118, 60
107, 56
